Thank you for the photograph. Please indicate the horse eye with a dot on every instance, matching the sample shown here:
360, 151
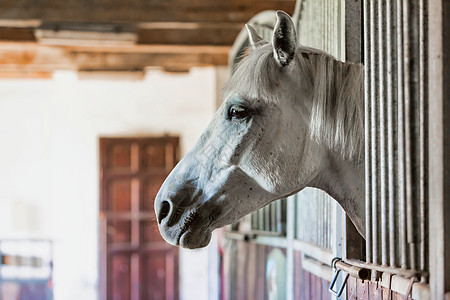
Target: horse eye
237, 112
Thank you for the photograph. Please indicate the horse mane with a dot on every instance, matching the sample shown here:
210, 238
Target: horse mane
337, 114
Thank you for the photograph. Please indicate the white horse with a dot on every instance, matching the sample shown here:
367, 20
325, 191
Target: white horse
292, 118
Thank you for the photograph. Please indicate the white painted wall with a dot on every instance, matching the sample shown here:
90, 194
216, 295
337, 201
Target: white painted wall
49, 132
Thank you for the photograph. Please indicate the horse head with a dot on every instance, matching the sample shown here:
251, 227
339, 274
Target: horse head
259, 147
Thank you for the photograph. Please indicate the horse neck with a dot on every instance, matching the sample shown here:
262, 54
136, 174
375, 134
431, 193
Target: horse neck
342, 173
344, 181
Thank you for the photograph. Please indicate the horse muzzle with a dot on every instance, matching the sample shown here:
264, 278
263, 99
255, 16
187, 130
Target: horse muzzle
181, 225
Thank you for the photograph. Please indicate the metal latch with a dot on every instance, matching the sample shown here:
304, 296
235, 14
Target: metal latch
357, 272
341, 289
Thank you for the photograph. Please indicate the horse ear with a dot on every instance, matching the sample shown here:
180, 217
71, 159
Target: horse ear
284, 40
255, 40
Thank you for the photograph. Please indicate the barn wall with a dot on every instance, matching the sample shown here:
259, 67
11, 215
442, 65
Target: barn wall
49, 160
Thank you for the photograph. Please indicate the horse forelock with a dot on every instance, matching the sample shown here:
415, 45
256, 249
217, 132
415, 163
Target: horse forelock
255, 77
337, 113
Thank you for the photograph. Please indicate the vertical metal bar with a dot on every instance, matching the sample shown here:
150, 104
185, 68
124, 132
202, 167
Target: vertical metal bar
267, 217
383, 133
260, 219
439, 147
401, 139
329, 225
322, 221
408, 125
391, 125
273, 217
412, 120
326, 222
283, 214
317, 217
367, 133
423, 99
374, 129
299, 216
278, 204
254, 221
290, 219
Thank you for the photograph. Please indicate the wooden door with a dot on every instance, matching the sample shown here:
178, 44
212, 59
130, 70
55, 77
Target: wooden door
136, 263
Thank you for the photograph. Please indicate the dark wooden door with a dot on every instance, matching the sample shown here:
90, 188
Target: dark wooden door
136, 263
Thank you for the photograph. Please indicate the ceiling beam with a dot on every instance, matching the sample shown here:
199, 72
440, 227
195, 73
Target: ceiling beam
238, 11
188, 33
167, 33
33, 57
17, 33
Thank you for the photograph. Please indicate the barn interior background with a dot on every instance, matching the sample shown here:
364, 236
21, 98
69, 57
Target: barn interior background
95, 99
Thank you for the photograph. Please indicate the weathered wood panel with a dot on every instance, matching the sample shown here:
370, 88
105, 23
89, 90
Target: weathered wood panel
357, 289
306, 285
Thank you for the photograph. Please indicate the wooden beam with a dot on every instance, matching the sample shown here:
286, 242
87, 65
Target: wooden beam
25, 75
32, 57
239, 11
74, 33
94, 75
188, 33
17, 33
114, 34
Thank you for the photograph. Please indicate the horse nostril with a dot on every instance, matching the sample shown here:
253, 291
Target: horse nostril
164, 211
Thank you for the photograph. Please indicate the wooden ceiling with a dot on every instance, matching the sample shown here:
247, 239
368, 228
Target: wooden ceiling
38, 37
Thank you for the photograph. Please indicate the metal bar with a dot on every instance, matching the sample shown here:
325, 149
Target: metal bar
401, 140
267, 218
273, 217
408, 273
317, 268
290, 220
260, 219
254, 217
319, 221
367, 133
278, 204
408, 126
354, 271
412, 120
310, 249
299, 217
328, 223
374, 130
423, 100
279, 242
239, 236
391, 134
400, 284
383, 134
283, 214
438, 147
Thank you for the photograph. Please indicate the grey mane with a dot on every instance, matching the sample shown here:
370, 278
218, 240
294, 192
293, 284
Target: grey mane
337, 115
